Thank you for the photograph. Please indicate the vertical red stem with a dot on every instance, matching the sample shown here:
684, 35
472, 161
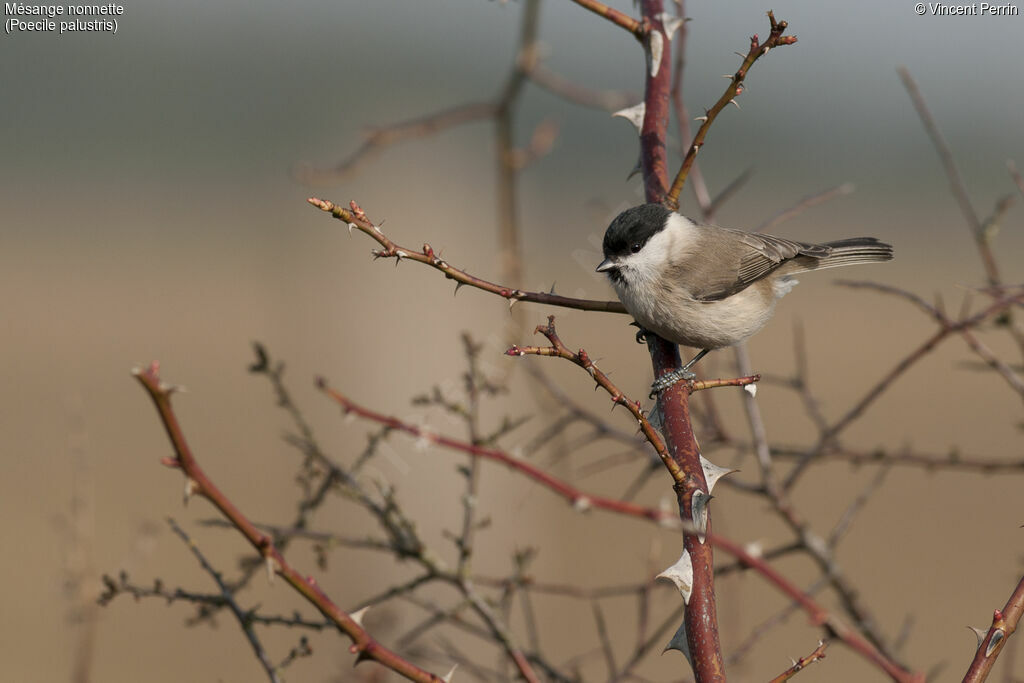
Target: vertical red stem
701, 617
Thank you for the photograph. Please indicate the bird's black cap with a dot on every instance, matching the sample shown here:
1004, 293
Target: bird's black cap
634, 227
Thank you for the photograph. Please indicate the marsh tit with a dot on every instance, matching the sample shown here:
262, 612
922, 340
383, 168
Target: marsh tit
707, 287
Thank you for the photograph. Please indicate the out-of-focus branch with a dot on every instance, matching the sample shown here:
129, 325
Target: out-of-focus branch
379, 138
634, 26
229, 599
355, 218
734, 89
364, 646
999, 305
819, 616
956, 182
975, 344
605, 100
700, 188
580, 500
804, 204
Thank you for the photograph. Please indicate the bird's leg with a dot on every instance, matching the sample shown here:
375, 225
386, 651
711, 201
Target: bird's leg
670, 378
641, 333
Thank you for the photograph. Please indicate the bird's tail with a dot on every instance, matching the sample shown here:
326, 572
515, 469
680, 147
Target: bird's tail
846, 252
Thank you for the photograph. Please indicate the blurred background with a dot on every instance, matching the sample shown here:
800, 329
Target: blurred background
152, 210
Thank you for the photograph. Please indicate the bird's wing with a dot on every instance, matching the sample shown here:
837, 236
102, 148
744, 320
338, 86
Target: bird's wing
732, 260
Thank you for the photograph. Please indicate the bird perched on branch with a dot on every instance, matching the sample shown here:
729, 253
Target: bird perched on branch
708, 287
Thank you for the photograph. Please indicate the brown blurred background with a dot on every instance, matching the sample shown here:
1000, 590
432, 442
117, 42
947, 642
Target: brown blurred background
149, 212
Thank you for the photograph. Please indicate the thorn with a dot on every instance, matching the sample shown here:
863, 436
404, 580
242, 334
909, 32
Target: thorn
581, 504
701, 118
634, 115
447, 678
655, 47
751, 389
980, 633
191, 488
733, 101
552, 288
681, 574
271, 564
358, 615
671, 23
457, 285
511, 303
350, 226
729, 76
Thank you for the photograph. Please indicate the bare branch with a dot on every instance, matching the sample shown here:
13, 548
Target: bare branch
734, 89
802, 663
197, 483
1004, 623
627, 22
355, 218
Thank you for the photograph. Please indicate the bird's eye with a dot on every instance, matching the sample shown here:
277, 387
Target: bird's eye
635, 247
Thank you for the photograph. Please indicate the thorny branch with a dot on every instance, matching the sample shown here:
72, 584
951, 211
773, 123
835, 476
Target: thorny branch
579, 500
990, 644
402, 539
732, 91
802, 663
356, 219
197, 483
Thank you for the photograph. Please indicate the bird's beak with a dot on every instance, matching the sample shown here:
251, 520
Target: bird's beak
606, 265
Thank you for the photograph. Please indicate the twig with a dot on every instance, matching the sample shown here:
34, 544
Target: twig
243, 617
804, 204
700, 188
956, 182
802, 663
734, 89
1004, 623
605, 100
382, 137
975, 344
582, 359
355, 218
577, 498
197, 483
907, 458
627, 22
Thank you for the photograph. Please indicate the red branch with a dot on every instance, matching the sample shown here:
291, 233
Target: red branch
627, 22
582, 359
356, 218
802, 663
1004, 623
734, 89
818, 614
197, 483
579, 499
700, 615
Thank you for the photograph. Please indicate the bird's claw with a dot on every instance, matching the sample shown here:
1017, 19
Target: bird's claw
670, 378
641, 333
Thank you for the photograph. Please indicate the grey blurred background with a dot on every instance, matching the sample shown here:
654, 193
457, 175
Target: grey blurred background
150, 212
